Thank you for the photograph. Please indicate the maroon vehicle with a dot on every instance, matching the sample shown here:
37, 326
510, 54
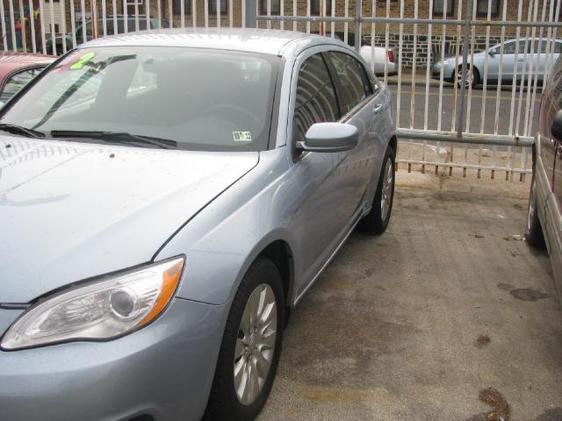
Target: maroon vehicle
17, 69
544, 226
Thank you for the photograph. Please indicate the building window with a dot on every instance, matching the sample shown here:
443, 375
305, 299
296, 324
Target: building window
439, 7
223, 4
316, 7
177, 7
275, 7
482, 8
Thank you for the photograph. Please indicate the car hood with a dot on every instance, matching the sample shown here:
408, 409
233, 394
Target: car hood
70, 211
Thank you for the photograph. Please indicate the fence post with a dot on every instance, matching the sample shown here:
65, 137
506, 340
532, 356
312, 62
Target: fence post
358, 28
465, 48
250, 13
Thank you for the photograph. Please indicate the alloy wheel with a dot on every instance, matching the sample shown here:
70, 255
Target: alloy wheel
387, 185
469, 78
255, 344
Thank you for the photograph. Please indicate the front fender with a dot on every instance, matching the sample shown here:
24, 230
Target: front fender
223, 240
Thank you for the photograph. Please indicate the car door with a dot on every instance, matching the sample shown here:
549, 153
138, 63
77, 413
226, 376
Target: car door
536, 57
512, 59
493, 58
545, 56
325, 207
360, 104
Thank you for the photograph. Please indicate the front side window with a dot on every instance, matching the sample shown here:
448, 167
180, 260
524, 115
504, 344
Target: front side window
316, 100
353, 80
17, 81
201, 99
513, 47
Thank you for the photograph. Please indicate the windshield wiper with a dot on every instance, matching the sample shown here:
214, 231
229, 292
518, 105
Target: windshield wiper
24, 131
117, 137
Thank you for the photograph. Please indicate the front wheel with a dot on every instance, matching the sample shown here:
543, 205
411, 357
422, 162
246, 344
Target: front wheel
251, 345
376, 221
472, 77
533, 230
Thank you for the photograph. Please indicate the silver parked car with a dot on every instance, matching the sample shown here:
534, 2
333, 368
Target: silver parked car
166, 198
520, 57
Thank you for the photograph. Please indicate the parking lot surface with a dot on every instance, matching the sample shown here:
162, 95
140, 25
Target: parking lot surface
447, 316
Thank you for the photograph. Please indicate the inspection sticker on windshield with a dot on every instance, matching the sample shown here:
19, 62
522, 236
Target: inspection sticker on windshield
241, 136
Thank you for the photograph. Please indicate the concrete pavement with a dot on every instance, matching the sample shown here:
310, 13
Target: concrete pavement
447, 316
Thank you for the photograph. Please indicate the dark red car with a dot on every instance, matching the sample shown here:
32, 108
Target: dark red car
17, 69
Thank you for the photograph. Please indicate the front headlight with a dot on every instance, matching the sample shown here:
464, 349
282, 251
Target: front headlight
98, 310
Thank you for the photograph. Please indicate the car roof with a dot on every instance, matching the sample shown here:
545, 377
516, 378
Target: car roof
265, 41
10, 61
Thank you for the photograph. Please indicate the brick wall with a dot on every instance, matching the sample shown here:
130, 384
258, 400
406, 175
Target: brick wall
392, 8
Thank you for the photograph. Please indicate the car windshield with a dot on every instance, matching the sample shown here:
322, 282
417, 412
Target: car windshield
201, 99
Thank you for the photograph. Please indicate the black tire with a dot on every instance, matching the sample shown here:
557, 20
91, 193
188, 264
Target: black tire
224, 404
533, 230
375, 222
475, 81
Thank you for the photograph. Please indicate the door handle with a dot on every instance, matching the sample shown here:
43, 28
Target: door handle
378, 108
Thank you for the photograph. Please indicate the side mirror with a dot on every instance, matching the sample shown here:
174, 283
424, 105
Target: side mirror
329, 137
556, 129
492, 52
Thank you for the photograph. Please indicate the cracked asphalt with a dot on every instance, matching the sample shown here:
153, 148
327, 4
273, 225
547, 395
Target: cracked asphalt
449, 315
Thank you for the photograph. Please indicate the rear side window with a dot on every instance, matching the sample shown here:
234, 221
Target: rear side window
352, 79
316, 97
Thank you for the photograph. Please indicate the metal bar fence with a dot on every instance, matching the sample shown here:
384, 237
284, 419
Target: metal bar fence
465, 72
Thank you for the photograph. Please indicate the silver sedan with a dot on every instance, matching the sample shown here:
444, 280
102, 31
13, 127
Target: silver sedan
512, 59
166, 199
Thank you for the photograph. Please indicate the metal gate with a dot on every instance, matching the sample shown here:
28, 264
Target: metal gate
465, 98
488, 126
